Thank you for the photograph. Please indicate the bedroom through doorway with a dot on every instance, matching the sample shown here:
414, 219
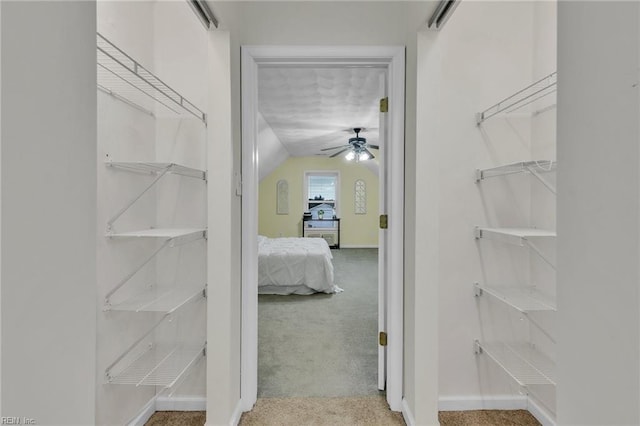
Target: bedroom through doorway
318, 208
315, 168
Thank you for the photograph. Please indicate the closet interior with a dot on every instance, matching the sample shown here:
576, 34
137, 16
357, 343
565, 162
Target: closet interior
524, 345
152, 216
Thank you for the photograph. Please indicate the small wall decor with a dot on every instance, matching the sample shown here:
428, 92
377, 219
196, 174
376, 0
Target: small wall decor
282, 197
360, 197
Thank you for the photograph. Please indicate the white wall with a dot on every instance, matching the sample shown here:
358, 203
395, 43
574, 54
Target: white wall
598, 213
48, 211
0, 212
223, 375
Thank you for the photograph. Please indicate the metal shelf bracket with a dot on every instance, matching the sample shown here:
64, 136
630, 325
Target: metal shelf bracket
477, 289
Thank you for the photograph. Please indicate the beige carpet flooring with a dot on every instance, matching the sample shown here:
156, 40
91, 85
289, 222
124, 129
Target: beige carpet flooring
355, 411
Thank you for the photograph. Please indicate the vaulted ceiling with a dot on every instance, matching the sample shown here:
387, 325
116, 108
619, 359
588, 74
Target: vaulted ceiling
311, 108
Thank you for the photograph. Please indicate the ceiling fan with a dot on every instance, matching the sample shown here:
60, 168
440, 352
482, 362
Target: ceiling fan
357, 148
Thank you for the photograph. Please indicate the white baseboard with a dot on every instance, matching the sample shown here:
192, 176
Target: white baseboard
237, 413
181, 403
168, 404
144, 415
348, 246
498, 402
542, 415
407, 414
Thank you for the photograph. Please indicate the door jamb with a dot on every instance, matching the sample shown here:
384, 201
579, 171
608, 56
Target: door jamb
393, 57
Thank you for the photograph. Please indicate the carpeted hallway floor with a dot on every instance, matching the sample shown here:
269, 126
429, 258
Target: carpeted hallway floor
356, 411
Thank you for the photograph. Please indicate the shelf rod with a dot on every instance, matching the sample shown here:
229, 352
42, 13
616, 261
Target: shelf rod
169, 242
133, 345
135, 271
526, 361
180, 375
125, 100
512, 101
538, 252
189, 300
126, 207
136, 72
167, 356
539, 327
541, 179
133, 85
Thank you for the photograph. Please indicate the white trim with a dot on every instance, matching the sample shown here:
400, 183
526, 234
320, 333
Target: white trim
351, 246
249, 329
181, 403
541, 414
467, 403
407, 414
144, 415
392, 57
237, 413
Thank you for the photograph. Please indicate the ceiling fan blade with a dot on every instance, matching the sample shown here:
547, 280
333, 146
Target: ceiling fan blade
373, 146
335, 147
369, 152
339, 152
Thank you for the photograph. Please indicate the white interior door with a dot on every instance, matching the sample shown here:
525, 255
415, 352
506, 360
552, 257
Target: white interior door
382, 236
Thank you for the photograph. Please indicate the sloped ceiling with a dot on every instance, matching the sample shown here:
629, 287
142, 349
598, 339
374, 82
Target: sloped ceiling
309, 109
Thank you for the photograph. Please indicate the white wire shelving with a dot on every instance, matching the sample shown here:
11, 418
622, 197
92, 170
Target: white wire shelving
155, 168
153, 300
519, 237
522, 361
523, 299
124, 78
161, 233
527, 96
536, 168
159, 170
158, 365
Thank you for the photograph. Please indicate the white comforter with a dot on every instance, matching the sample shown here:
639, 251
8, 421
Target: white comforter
295, 266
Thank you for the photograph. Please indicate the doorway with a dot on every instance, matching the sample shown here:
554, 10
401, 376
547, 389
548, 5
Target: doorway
391, 291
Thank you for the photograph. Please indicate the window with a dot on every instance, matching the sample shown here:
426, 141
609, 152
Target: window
322, 191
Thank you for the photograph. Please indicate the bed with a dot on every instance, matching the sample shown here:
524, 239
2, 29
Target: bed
295, 266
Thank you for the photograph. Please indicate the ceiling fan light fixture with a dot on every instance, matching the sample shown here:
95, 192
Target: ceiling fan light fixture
350, 156
364, 156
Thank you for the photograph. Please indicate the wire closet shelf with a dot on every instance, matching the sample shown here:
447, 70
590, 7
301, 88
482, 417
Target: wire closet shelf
158, 365
522, 361
527, 96
121, 76
524, 299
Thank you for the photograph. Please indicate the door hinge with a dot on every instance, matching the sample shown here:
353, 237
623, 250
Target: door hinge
384, 104
384, 221
383, 338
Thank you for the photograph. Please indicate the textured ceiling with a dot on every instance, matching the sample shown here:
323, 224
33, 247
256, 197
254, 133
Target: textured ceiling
314, 108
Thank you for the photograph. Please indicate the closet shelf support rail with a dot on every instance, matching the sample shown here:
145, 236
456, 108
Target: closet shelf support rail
535, 168
122, 66
170, 242
159, 169
524, 97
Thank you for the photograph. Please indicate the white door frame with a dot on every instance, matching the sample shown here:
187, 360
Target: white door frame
392, 57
